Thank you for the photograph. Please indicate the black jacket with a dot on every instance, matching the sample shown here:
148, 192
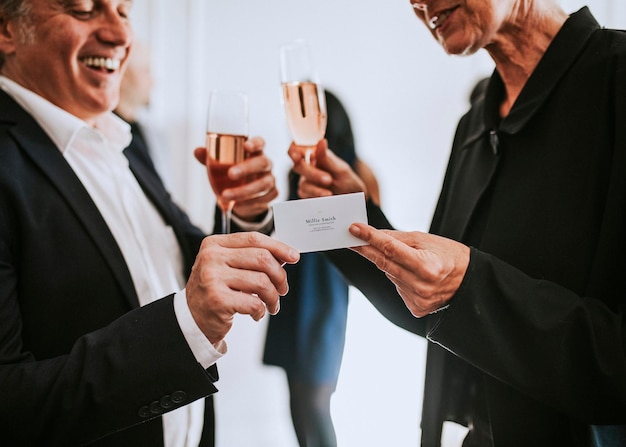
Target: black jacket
79, 360
531, 351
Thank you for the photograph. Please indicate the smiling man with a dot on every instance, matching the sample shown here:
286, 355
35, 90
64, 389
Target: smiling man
70, 53
113, 306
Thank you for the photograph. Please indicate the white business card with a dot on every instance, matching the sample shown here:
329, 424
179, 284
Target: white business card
320, 224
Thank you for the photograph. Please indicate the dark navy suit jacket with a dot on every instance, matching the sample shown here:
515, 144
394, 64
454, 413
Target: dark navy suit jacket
79, 360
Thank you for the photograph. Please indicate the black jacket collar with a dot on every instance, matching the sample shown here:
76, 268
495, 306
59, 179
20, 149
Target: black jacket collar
560, 55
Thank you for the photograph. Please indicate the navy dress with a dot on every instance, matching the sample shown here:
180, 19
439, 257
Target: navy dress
307, 336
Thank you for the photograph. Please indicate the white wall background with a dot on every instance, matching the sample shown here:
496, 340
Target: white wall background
404, 96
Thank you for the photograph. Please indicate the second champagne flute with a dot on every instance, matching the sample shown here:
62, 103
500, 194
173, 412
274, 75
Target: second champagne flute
227, 131
303, 96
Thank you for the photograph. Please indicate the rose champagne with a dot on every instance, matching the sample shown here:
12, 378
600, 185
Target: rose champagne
306, 112
223, 152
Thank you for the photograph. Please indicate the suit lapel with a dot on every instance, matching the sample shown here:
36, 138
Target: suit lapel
144, 171
40, 149
142, 168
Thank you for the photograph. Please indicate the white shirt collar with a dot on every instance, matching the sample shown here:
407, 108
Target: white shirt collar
61, 126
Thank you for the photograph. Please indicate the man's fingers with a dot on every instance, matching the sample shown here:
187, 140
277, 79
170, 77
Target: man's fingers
254, 145
251, 190
281, 251
261, 275
200, 153
254, 166
237, 273
253, 305
253, 283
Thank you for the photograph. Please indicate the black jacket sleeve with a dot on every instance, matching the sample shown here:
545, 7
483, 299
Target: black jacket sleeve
135, 369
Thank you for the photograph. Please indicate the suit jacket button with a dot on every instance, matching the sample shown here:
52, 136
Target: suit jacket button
144, 412
178, 397
155, 407
166, 402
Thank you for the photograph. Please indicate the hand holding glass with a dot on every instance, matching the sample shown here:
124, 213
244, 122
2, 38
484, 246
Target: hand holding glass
303, 96
227, 131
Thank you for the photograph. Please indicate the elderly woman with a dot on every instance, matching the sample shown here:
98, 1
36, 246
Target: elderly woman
520, 283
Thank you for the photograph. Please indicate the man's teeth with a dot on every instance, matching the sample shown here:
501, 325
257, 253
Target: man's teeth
102, 62
437, 21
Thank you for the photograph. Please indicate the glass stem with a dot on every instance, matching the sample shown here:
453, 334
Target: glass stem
227, 213
308, 154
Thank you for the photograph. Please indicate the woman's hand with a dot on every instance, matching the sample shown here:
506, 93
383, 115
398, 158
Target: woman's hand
426, 269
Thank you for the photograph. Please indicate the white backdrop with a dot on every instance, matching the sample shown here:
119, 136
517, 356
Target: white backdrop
404, 96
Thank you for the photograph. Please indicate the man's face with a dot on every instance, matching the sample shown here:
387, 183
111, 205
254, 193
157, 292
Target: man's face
71, 52
463, 26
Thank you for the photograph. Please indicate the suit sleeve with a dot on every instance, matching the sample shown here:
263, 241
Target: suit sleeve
133, 370
540, 338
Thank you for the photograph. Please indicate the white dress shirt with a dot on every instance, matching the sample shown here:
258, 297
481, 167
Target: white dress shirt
148, 244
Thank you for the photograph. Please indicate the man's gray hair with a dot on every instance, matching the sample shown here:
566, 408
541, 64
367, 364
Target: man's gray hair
13, 9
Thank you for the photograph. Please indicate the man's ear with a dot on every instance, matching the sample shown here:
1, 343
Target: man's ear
7, 35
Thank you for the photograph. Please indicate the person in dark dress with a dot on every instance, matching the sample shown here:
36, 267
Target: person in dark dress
306, 338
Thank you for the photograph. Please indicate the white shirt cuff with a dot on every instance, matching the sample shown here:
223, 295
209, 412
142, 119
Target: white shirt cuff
206, 353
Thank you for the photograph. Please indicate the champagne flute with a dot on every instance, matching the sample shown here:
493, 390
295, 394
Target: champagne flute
303, 96
227, 131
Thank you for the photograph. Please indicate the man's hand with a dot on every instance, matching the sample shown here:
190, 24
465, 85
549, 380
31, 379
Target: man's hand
253, 198
426, 269
237, 273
